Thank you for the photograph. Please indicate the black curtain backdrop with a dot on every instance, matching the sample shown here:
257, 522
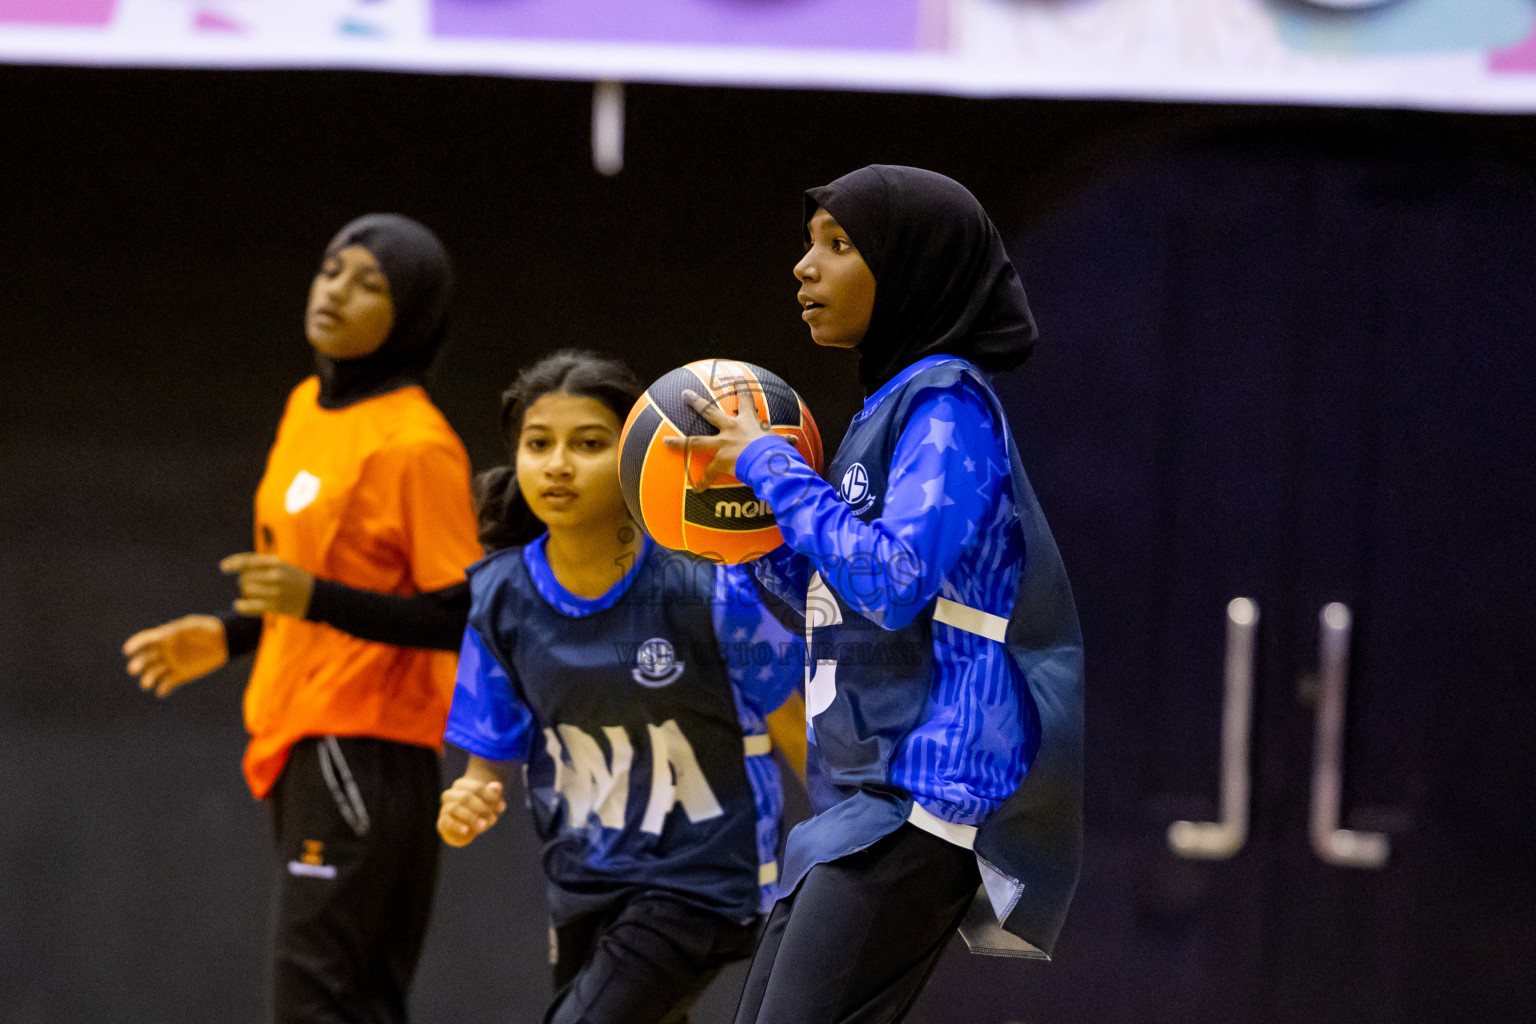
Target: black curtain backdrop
158, 231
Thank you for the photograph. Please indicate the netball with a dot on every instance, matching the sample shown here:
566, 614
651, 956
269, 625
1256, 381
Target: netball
725, 523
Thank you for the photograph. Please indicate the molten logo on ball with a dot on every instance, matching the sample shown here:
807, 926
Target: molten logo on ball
737, 509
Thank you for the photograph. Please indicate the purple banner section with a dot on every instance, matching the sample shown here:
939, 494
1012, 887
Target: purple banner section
800, 24
57, 12
1518, 59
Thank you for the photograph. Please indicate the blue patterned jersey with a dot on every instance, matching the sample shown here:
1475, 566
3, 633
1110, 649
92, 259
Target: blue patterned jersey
943, 525
944, 684
571, 687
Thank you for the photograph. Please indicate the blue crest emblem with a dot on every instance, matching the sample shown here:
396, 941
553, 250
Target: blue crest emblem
854, 488
656, 664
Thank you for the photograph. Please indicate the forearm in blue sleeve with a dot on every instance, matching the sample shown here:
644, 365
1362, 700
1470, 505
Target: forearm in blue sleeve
943, 481
782, 576
764, 658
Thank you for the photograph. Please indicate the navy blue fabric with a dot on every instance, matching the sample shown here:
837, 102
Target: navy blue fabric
643, 668
851, 945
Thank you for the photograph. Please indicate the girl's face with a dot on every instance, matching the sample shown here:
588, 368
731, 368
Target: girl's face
350, 310
568, 462
837, 288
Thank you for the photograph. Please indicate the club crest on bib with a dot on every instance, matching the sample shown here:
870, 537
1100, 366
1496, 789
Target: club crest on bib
656, 664
854, 488
302, 492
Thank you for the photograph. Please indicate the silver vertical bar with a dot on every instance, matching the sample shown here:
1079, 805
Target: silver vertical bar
1335, 845
1219, 840
608, 127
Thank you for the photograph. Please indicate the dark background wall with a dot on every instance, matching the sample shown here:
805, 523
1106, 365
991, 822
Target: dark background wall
157, 234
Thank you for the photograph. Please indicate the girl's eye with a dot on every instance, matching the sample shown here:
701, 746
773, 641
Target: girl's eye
595, 444
841, 245
374, 284
535, 444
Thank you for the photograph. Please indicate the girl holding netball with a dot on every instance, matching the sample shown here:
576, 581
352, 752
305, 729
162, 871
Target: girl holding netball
595, 658
354, 601
948, 752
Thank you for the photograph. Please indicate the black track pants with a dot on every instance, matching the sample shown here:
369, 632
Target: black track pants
357, 853
857, 941
643, 961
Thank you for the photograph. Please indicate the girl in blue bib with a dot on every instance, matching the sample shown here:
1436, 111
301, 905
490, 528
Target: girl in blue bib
944, 683
633, 684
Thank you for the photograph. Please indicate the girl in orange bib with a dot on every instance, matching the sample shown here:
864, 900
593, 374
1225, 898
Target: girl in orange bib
354, 601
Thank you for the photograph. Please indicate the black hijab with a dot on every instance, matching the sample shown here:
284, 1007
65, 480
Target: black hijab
420, 280
943, 282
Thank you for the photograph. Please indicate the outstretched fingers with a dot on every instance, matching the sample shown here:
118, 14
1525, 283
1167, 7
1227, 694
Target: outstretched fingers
247, 560
706, 480
143, 640
735, 434
709, 408
716, 417
147, 656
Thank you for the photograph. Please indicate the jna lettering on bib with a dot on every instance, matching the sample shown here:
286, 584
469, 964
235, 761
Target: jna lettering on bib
594, 784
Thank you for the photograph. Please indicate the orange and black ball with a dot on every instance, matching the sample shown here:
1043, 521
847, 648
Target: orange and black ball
726, 522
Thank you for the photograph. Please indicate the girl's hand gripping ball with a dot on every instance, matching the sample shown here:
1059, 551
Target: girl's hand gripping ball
679, 447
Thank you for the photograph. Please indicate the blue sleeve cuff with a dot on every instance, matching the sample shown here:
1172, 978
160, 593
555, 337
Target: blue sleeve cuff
486, 717
472, 743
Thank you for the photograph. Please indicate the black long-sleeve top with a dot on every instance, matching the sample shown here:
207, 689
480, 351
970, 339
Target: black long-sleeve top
434, 620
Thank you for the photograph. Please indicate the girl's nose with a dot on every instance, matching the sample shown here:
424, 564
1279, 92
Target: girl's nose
805, 270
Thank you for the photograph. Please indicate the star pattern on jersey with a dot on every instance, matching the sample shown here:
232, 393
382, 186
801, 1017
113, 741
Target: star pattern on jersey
933, 494
993, 471
941, 434
971, 489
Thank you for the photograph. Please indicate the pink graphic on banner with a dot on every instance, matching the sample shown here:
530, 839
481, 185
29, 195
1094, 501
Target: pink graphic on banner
841, 24
57, 12
1518, 59
213, 21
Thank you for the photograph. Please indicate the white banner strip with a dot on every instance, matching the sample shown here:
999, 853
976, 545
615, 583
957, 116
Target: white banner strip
1435, 54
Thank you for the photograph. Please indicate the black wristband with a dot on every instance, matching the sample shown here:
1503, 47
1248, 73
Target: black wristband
241, 633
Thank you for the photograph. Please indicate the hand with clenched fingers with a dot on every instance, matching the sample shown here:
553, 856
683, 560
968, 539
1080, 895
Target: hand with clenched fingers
269, 585
473, 803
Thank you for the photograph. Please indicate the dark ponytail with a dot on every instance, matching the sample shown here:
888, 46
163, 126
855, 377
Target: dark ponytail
505, 519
